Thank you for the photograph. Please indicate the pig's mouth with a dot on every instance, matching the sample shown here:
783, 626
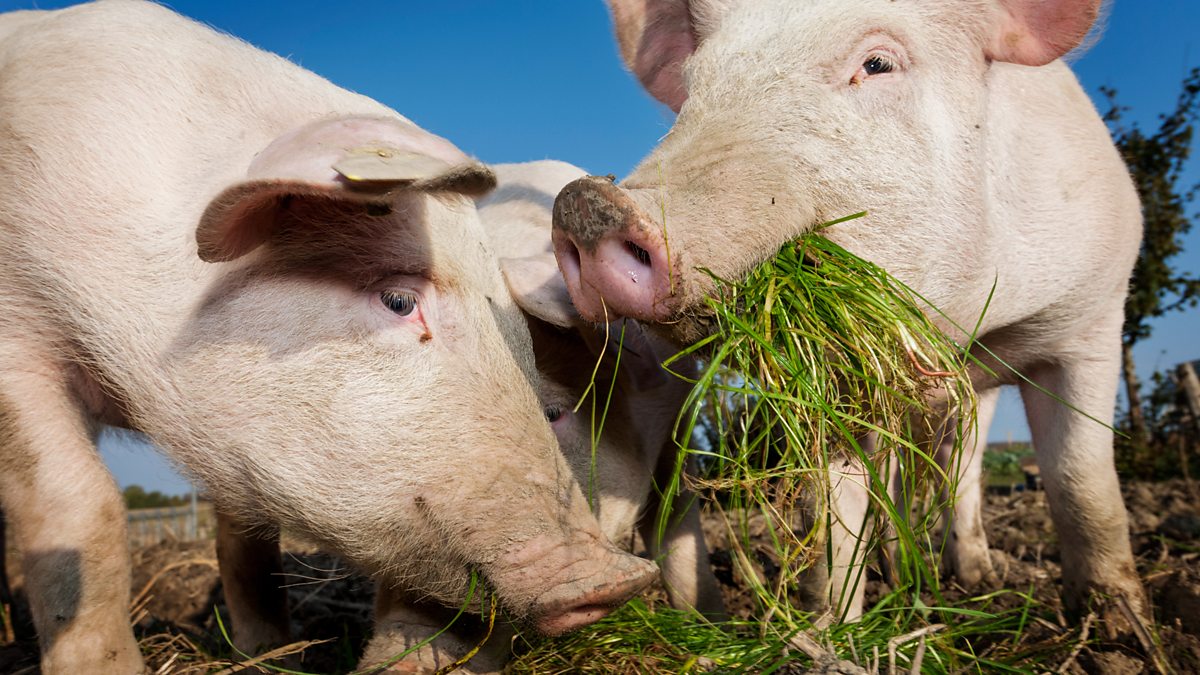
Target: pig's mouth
618, 261
564, 610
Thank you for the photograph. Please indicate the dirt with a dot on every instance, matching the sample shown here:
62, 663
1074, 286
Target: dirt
178, 595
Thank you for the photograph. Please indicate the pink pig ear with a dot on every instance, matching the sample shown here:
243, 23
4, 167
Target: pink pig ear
1036, 32
354, 162
539, 290
656, 37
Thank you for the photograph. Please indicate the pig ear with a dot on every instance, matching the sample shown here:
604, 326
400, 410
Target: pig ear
247, 214
538, 289
1036, 32
656, 37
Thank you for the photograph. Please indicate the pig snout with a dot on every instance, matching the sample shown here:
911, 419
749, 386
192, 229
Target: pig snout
583, 583
615, 258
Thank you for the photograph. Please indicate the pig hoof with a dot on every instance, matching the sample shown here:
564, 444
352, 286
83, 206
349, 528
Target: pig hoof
976, 572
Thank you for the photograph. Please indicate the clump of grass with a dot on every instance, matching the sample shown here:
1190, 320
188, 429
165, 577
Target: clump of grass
642, 637
820, 357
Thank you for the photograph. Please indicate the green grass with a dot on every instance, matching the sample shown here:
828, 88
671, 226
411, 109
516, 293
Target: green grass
1003, 467
811, 351
974, 638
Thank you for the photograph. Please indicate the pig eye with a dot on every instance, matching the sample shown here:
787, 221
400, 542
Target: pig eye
877, 65
553, 413
402, 304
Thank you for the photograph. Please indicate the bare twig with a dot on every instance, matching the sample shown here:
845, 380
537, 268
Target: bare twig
1143, 635
1083, 636
166, 666
906, 638
803, 642
286, 650
918, 658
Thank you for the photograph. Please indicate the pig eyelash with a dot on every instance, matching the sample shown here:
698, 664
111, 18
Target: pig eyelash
401, 304
553, 413
874, 65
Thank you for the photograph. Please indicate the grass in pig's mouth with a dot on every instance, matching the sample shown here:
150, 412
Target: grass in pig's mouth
812, 350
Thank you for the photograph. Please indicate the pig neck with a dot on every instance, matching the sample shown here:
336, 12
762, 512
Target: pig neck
1042, 121
1047, 156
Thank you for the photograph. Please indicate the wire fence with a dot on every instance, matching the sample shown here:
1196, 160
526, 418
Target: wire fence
190, 522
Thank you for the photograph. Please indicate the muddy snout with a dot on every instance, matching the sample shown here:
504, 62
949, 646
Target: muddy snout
581, 583
614, 256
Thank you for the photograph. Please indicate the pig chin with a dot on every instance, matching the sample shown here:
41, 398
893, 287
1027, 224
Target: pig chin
687, 327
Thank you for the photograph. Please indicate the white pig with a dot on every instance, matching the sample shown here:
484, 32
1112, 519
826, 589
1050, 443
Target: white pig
287, 287
634, 447
981, 162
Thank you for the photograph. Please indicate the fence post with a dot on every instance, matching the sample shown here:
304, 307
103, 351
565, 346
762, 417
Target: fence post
1186, 375
193, 518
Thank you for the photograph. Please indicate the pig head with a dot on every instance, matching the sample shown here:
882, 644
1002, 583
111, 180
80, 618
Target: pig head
985, 172
612, 407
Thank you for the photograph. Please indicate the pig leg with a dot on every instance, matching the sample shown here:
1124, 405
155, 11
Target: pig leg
68, 520
251, 576
6, 597
849, 534
1074, 454
402, 622
683, 557
966, 551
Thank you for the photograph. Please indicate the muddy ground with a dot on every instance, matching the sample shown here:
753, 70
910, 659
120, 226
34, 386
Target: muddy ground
177, 590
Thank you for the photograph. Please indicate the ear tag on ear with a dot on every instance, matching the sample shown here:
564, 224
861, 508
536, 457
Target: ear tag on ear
368, 167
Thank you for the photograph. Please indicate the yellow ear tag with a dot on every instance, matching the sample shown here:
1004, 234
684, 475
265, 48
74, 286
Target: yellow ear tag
388, 165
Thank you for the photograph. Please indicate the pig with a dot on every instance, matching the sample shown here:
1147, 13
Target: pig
287, 287
635, 446
982, 166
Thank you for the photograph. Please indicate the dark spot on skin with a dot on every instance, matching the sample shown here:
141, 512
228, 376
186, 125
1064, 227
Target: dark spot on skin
59, 618
378, 210
772, 201
611, 178
426, 337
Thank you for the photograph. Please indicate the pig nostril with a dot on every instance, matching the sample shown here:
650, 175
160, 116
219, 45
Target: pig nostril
638, 252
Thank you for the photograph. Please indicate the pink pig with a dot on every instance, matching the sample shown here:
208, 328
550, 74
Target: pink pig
634, 449
982, 165
287, 287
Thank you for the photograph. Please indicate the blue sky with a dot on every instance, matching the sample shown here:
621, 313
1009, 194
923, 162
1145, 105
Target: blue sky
517, 81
